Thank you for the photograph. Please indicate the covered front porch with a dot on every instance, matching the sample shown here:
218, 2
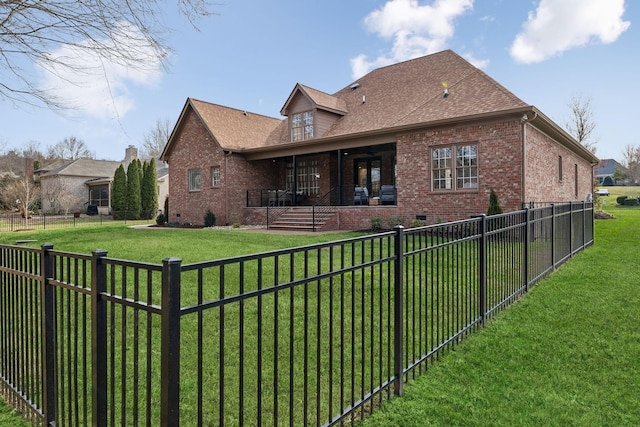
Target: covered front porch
358, 176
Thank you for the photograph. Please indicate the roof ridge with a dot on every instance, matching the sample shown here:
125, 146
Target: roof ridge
233, 108
473, 70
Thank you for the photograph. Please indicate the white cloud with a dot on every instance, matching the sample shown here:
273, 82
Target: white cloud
478, 63
560, 25
416, 30
95, 86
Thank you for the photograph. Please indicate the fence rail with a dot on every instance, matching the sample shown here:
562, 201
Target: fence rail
16, 222
315, 335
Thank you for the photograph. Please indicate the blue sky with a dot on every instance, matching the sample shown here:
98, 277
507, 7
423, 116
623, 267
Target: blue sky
251, 54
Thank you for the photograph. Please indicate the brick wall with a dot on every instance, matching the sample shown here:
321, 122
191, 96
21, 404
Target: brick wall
543, 181
195, 149
500, 164
499, 150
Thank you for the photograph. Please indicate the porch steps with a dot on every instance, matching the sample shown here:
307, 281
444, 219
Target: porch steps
300, 218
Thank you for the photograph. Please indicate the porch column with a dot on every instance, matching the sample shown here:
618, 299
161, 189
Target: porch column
294, 196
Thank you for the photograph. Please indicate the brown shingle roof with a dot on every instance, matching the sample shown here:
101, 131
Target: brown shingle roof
85, 168
411, 92
397, 96
322, 100
234, 129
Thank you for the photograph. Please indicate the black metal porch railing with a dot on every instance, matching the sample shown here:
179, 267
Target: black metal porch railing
322, 207
315, 335
336, 196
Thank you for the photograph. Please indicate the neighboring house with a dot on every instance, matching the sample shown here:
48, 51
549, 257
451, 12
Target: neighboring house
436, 131
69, 186
605, 170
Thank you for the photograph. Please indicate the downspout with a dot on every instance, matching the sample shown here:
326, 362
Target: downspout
340, 176
523, 120
226, 185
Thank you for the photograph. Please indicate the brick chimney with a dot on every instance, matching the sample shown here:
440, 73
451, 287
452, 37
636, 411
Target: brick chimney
131, 153
29, 168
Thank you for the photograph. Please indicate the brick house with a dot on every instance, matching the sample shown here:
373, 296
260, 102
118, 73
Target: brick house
428, 138
71, 185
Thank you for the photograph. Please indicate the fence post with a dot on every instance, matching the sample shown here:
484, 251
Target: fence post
584, 224
170, 344
526, 250
98, 339
398, 331
48, 316
571, 233
483, 268
553, 236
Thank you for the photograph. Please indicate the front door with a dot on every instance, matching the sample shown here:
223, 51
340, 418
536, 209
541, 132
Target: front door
368, 175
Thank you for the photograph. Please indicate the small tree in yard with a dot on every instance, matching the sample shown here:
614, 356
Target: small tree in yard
494, 205
166, 208
149, 189
119, 193
134, 203
209, 219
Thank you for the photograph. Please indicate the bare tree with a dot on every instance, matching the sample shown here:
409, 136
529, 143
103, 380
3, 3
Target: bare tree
582, 124
70, 148
128, 33
24, 193
57, 195
156, 139
32, 150
631, 161
12, 162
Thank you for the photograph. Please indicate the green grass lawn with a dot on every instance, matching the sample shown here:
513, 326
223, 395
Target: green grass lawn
9, 418
155, 244
566, 354
614, 192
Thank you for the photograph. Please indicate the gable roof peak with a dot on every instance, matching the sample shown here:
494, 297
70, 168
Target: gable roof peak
321, 100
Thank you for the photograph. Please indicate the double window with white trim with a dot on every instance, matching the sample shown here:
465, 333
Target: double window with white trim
454, 167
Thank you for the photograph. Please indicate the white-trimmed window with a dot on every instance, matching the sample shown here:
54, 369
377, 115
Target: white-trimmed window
195, 180
215, 176
302, 126
455, 167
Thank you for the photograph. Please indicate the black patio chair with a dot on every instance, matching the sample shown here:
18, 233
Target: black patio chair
387, 195
360, 196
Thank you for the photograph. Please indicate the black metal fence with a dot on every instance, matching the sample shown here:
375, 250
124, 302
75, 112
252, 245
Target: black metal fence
315, 335
17, 222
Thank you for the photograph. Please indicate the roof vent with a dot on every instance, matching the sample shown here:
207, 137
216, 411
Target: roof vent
355, 86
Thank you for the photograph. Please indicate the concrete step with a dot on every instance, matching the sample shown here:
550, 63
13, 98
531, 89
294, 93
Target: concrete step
301, 218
